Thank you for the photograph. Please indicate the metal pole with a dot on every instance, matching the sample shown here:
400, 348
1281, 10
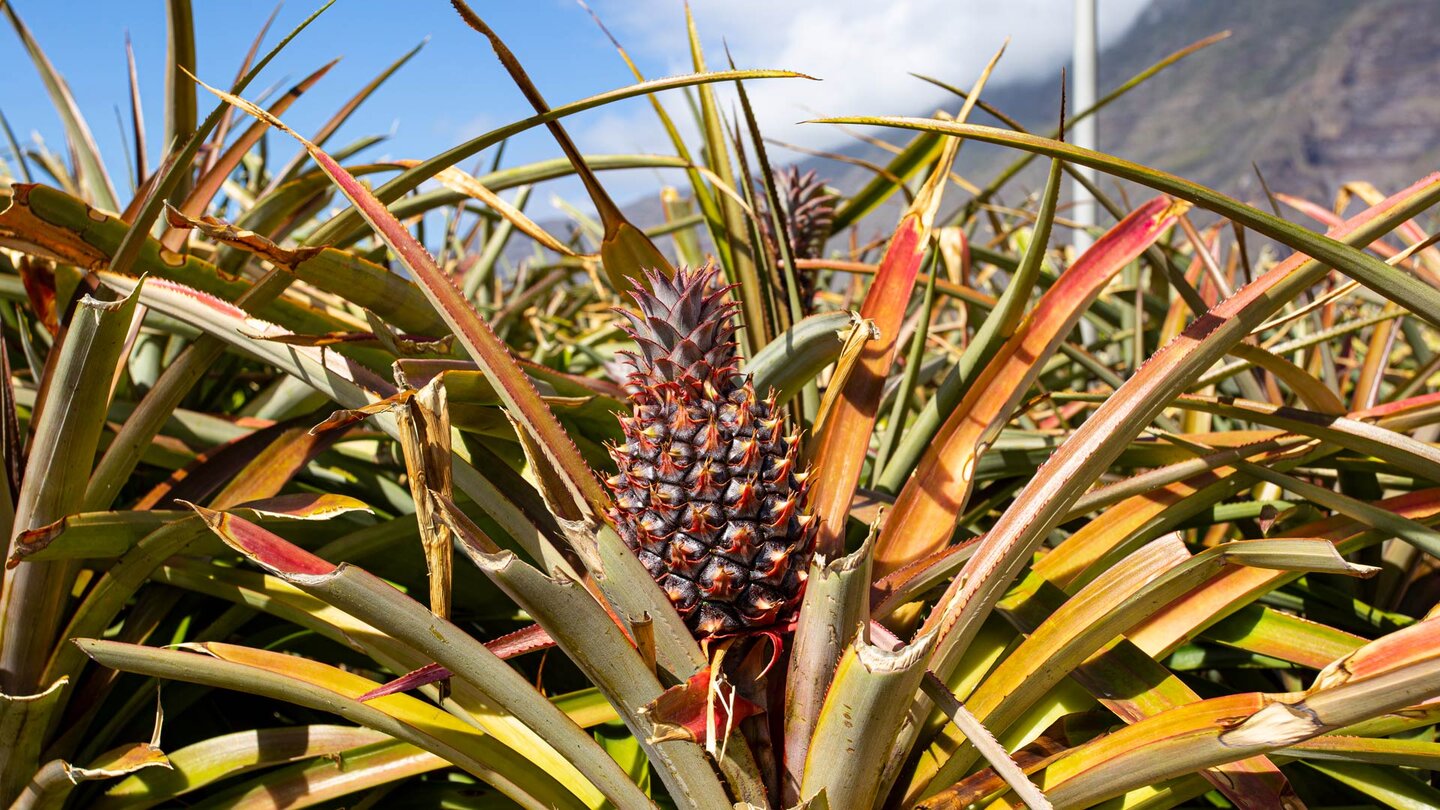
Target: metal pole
1083, 132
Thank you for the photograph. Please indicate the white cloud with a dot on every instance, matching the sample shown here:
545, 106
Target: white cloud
862, 50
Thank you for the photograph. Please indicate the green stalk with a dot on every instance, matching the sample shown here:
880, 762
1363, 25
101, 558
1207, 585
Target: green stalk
71, 416
900, 410
998, 326
477, 754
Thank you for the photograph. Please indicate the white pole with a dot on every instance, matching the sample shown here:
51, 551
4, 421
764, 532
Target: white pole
1083, 132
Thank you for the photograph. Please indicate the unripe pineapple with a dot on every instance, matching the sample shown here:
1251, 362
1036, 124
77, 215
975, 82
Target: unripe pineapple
807, 219
708, 495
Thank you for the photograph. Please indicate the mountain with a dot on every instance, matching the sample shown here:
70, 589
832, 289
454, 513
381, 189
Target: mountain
1316, 93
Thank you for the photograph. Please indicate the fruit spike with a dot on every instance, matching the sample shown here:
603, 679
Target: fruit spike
708, 494
808, 212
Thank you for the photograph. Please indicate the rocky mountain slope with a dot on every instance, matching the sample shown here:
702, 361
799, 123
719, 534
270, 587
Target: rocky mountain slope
1313, 92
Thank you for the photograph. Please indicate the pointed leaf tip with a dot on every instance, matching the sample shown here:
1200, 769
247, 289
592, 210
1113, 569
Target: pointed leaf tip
682, 711
266, 548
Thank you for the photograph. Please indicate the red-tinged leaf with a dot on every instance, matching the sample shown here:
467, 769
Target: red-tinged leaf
1098, 538
237, 237
338, 119
525, 640
1313, 210
1330, 219
915, 578
345, 418
845, 441
298, 506
1133, 686
682, 712
1415, 295
973, 790
1094, 446
304, 506
265, 548
32, 540
522, 641
217, 172
880, 636
38, 277
515, 390
1402, 648
625, 251
424, 676
1400, 406
925, 511
1187, 616
1058, 644
943, 286
253, 466
1266, 520
1212, 732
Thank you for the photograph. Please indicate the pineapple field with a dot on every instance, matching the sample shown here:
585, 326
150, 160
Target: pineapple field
786, 502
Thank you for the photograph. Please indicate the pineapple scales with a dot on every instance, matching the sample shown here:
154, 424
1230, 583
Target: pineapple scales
807, 216
708, 493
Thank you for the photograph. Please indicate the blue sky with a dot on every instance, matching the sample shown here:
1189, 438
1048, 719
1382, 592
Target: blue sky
455, 89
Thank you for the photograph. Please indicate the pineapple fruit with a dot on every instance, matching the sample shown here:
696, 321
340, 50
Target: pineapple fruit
807, 215
708, 495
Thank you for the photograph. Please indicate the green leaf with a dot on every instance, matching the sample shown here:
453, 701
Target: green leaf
520, 398
862, 713
625, 250
348, 224
87, 155
67, 430
835, 607
795, 357
378, 604
601, 649
24, 720
997, 328
1406, 290
1094, 445
328, 689
200, 764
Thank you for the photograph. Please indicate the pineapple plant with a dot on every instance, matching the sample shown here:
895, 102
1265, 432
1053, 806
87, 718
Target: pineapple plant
709, 494
807, 214
1190, 563
809, 211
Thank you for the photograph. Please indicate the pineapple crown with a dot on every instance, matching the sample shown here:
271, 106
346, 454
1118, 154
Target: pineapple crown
685, 330
809, 211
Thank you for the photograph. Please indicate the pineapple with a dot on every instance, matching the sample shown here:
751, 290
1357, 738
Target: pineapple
708, 493
808, 211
